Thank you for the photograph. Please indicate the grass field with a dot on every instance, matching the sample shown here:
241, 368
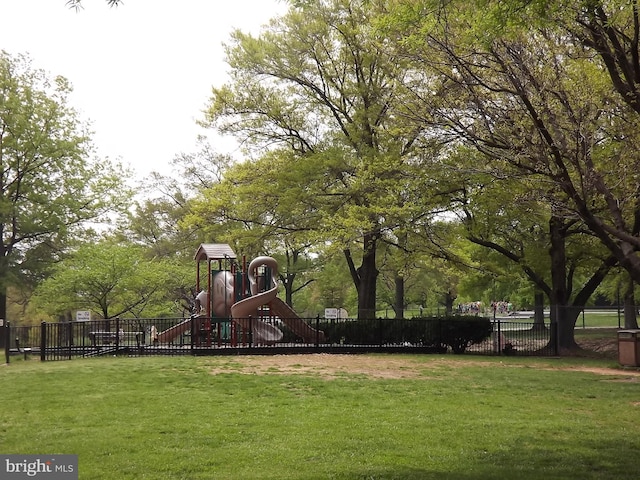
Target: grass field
600, 318
589, 318
609, 318
327, 417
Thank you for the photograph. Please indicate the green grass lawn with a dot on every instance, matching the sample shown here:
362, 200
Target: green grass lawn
456, 417
590, 318
600, 318
596, 333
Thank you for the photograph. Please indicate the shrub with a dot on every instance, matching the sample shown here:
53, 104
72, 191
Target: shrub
460, 332
456, 332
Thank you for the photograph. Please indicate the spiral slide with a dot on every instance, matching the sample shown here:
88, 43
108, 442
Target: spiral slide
248, 307
245, 312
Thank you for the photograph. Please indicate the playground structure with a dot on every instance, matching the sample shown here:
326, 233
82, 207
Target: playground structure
238, 304
239, 312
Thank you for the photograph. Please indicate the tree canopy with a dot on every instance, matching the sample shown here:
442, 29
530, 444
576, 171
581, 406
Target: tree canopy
555, 88
113, 280
393, 132
51, 190
319, 86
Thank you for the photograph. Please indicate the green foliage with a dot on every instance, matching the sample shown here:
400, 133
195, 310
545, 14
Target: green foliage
157, 220
114, 280
319, 89
348, 104
440, 333
460, 332
50, 190
533, 116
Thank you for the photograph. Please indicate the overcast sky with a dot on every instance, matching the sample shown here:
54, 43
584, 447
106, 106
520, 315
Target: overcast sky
141, 72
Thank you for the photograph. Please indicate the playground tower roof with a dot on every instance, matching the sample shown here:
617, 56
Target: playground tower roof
214, 251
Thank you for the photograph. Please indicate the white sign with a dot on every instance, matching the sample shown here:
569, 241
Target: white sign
331, 313
1, 322
83, 315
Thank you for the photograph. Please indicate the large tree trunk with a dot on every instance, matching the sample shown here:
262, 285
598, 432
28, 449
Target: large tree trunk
368, 275
563, 324
398, 303
286, 280
365, 277
538, 310
563, 316
449, 300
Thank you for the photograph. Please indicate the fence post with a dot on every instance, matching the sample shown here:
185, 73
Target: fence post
194, 330
117, 335
6, 330
70, 339
317, 331
43, 341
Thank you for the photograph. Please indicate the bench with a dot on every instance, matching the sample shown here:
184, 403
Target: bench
107, 338
25, 350
103, 338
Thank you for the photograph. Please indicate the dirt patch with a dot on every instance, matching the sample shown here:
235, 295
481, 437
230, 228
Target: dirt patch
327, 366
607, 347
630, 375
332, 366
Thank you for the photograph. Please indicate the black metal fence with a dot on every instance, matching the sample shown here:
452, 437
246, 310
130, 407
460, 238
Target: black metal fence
208, 336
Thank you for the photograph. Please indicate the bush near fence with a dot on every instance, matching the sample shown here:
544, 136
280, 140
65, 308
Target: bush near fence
455, 332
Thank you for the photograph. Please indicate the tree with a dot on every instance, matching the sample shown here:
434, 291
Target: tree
320, 83
260, 207
113, 280
603, 36
422, 261
157, 220
612, 29
619, 289
553, 252
331, 287
49, 189
546, 129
